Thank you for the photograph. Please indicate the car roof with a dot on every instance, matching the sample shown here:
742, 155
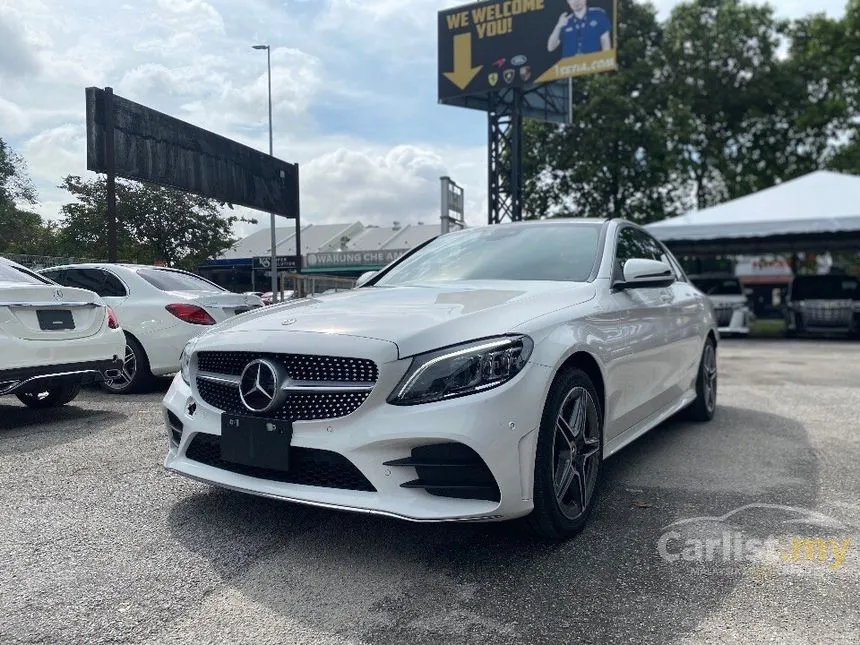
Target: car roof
111, 265
12, 263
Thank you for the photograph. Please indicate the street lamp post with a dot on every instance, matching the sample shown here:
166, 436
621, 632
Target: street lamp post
271, 153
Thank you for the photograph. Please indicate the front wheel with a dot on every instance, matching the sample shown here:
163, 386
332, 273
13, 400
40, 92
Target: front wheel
568, 458
52, 397
703, 408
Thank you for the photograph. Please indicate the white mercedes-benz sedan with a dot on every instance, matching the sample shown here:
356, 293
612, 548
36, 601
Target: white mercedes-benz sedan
53, 339
160, 309
484, 376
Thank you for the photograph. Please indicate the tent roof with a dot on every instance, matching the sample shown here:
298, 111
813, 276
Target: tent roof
811, 208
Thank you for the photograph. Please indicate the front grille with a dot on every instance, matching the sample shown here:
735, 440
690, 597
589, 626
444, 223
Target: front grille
724, 315
299, 406
827, 315
300, 367
308, 467
306, 406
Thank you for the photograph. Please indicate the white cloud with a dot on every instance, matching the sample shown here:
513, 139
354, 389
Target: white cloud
56, 152
13, 118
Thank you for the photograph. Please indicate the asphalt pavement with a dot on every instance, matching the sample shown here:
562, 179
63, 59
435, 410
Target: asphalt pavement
744, 530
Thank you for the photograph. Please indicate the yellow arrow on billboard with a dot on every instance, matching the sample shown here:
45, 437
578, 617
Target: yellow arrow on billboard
463, 71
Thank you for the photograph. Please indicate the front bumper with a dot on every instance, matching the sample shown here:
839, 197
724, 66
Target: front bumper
820, 320
25, 379
735, 323
500, 425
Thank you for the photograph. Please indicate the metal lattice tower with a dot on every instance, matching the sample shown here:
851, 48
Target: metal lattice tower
506, 111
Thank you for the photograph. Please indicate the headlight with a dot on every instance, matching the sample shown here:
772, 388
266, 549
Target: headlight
462, 369
185, 360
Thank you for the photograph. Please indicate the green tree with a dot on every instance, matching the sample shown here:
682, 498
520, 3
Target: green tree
154, 224
20, 230
15, 183
724, 94
612, 160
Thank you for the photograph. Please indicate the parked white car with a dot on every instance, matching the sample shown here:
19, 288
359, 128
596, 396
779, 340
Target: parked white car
53, 339
159, 308
731, 305
485, 376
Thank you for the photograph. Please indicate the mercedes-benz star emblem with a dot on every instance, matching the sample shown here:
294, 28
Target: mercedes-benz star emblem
288, 321
260, 387
58, 294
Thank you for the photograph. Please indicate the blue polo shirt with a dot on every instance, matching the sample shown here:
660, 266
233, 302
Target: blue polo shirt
582, 35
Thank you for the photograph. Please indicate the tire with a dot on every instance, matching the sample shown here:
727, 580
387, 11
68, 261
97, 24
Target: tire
559, 511
53, 397
703, 408
137, 376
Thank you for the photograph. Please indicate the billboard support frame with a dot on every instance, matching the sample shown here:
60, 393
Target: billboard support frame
110, 182
507, 111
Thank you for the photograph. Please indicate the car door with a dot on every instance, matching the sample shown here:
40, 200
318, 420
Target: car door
639, 375
686, 325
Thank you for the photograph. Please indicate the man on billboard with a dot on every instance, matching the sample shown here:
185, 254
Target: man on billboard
582, 30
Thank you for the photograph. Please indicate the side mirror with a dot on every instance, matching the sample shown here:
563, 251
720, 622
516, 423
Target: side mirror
365, 277
639, 272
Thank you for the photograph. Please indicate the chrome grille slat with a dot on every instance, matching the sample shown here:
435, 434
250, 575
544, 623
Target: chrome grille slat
319, 387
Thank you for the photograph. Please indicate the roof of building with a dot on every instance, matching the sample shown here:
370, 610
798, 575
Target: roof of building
317, 238
314, 238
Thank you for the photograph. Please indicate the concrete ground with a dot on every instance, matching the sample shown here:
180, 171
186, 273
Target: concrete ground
99, 545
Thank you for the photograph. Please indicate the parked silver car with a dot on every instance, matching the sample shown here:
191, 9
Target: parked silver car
731, 306
823, 304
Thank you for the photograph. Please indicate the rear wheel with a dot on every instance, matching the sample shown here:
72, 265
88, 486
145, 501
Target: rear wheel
568, 458
51, 397
135, 375
703, 408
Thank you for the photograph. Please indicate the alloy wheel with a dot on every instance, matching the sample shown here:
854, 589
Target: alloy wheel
128, 372
576, 452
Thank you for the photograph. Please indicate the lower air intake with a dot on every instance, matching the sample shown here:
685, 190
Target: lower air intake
308, 466
450, 470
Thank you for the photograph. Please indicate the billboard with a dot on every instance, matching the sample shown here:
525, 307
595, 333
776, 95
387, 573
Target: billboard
491, 45
154, 147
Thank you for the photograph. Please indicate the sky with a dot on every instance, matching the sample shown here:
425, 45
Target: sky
353, 82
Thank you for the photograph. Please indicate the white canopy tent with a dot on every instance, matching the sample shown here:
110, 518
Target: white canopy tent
817, 212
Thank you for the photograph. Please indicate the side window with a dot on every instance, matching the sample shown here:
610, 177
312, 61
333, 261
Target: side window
56, 276
633, 243
669, 259
102, 282
80, 279
112, 286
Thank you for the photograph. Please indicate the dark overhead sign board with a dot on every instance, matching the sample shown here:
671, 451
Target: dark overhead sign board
154, 147
488, 46
352, 259
284, 262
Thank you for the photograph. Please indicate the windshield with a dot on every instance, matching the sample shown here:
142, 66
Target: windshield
12, 273
718, 286
539, 251
825, 287
176, 281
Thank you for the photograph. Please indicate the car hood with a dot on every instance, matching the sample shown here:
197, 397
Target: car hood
417, 318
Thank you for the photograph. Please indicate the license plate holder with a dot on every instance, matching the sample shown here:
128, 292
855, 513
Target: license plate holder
55, 319
256, 442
